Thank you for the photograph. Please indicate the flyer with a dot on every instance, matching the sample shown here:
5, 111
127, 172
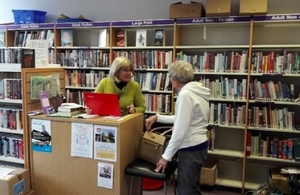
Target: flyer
105, 144
41, 135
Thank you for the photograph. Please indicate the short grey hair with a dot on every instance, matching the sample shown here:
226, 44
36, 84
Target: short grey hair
118, 64
181, 71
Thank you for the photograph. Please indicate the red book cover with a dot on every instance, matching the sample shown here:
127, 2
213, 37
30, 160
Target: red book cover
290, 146
271, 59
20, 149
121, 38
27, 58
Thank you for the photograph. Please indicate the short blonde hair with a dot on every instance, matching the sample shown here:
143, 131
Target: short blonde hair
118, 64
181, 71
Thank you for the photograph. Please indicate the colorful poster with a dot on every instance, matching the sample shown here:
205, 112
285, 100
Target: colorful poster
82, 140
41, 135
105, 175
105, 143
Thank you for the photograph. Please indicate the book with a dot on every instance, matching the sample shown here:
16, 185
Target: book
66, 38
45, 103
66, 114
27, 58
159, 37
141, 38
2, 39
103, 38
69, 107
121, 38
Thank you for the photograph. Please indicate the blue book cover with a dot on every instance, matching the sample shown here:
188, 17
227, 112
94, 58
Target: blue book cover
66, 38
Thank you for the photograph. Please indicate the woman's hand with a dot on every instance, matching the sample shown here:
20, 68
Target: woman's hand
131, 109
88, 110
149, 122
161, 165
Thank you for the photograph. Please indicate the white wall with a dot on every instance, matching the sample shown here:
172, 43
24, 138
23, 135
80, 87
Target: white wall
119, 9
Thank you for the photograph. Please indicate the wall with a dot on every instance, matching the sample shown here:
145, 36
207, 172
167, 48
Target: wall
114, 10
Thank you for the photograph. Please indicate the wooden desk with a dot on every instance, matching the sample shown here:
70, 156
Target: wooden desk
31, 193
59, 173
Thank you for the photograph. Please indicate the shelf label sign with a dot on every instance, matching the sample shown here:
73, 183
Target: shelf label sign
143, 22
30, 26
229, 19
277, 17
82, 24
140, 23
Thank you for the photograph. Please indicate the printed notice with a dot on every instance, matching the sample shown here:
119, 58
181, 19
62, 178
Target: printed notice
105, 143
41, 135
41, 48
82, 140
105, 175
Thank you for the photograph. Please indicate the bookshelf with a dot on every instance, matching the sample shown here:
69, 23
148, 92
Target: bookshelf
219, 57
11, 130
86, 60
237, 37
274, 42
149, 59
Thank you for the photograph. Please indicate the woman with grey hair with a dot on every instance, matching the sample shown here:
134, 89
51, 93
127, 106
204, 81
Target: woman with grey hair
119, 81
189, 129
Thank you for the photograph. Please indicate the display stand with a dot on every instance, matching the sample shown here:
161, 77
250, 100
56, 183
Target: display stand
29, 105
57, 172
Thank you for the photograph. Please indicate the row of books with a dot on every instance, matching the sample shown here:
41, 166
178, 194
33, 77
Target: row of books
75, 96
160, 103
83, 58
82, 78
270, 146
140, 38
11, 118
227, 61
278, 118
9, 55
157, 59
226, 114
153, 81
284, 62
272, 91
11, 146
10, 89
22, 38
226, 88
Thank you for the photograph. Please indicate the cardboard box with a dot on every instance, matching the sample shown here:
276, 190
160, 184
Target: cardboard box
15, 182
218, 7
189, 10
280, 180
209, 173
253, 7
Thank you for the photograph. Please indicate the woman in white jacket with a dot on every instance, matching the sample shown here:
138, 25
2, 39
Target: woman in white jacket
189, 129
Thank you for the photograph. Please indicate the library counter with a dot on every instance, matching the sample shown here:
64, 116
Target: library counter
57, 172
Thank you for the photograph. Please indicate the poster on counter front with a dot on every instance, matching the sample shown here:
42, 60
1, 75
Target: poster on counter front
82, 140
41, 135
105, 175
105, 144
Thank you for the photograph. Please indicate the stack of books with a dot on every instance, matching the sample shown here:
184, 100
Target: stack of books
69, 110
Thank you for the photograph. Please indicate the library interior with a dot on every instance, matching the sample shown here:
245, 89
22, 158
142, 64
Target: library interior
79, 83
